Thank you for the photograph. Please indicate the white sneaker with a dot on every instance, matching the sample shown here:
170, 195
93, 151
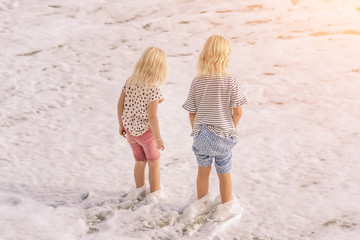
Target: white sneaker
155, 196
227, 210
197, 208
137, 194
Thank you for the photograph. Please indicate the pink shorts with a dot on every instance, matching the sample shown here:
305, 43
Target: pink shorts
144, 146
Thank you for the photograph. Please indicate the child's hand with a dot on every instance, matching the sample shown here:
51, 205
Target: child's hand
122, 131
161, 100
159, 144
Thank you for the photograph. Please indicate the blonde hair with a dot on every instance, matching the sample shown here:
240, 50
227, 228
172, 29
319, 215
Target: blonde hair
214, 57
151, 69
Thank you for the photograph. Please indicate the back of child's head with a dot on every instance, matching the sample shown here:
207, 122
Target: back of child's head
151, 69
214, 57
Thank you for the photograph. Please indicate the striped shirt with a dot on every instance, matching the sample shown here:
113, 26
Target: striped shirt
212, 98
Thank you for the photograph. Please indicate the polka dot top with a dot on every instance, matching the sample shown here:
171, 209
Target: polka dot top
135, 116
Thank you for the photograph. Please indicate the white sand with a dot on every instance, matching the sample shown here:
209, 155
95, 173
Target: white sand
65, 169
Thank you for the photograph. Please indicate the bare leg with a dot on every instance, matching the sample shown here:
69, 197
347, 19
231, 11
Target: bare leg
202, 181
154, 175
139, 173
225, 187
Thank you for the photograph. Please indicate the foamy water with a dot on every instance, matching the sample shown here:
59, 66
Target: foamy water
67, 174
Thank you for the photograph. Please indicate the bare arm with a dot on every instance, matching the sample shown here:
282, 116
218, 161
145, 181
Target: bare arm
237, 112
120, 109
192, 117
154, 124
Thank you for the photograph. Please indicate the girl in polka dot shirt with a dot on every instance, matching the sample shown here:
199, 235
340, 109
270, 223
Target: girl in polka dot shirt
137, 113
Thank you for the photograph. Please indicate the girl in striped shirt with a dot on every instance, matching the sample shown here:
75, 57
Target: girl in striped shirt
214, 103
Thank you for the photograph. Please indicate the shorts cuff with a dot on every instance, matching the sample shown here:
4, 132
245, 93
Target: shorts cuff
153, 159
140, 160
203, 162
223, 171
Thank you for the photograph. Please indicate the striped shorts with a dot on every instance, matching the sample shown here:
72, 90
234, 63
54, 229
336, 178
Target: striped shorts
208, 146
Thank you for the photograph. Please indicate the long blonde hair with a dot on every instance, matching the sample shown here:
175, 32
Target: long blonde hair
151, 69
214, 57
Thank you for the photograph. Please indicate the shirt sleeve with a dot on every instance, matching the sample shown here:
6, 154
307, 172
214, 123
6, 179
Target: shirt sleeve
156, 94
237, 97
190, 103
